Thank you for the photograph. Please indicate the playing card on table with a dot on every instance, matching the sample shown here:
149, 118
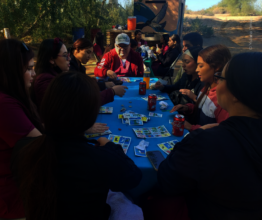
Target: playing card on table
122, 140
160, 97
106, 110
140, 153
153, 114
167, 146
125, 120
135, 122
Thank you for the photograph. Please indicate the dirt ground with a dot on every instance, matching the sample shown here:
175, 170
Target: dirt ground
238, 33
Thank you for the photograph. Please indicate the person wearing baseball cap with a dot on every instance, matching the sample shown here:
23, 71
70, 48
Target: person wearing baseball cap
120, 61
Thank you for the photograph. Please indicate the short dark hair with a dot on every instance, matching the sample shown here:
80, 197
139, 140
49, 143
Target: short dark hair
133, 43
243, 79
80, 44
137, 32
194, 38
79, 109
48, 49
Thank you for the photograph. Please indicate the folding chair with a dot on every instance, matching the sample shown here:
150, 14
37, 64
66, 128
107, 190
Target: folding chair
171, 69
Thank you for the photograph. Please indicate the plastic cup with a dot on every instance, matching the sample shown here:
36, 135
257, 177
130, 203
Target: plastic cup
131, 23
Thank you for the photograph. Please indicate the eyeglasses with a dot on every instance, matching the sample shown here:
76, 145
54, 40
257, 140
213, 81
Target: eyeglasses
66, 56
218, 75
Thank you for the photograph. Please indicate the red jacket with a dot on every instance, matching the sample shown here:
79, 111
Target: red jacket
111, 61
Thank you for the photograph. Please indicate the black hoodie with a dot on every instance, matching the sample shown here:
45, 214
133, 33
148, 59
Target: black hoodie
218, 170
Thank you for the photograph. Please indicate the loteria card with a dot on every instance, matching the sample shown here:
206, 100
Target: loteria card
98, 134
144, 119
123, 141
106, 110
135, 121
139, 152
159, 98
125, 120
125, 79
153, 114
167, 146
152, 132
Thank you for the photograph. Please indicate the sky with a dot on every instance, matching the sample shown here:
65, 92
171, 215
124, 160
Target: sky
192, 4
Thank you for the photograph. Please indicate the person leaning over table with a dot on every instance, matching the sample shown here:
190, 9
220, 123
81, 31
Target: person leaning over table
18, 117
170, 56
206, 110
192, 39
219, 170
120, 61
62, 174
80, 53
189, 85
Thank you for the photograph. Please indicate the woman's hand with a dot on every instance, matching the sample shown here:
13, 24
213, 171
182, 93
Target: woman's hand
120, 90
188, 93
209, 126
109, 85
97, 128
158, 50
158, 85
187, 125
179, 107
102, 141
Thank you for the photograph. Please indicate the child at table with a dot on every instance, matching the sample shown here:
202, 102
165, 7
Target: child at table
210, 60
18, 117
62, 175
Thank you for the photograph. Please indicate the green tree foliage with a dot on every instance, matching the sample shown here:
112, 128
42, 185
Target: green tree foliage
240, 7
233, 7
41, 19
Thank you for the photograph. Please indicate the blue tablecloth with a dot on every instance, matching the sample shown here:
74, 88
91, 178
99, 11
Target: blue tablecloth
140, 106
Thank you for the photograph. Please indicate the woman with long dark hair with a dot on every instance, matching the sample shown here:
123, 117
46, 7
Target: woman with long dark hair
52, 59
170, 56
63, 175
210, 60
18, 117
219, 170
164, 41
188, 87
98, 47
